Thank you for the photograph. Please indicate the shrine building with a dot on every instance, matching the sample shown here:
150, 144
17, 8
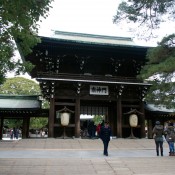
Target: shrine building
20, 107
90, 75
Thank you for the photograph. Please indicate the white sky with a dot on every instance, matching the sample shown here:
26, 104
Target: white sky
90, 16
84, 16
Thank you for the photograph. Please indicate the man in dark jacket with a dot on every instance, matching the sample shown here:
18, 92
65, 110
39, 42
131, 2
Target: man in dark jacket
91, 129
105, 134
158, 132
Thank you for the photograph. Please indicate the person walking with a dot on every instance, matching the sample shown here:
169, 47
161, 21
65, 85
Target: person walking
158, 132
11, 133
170, 138
105, 134
16, 133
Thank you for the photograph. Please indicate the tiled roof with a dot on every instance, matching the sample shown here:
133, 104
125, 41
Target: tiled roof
19, 102
94, 39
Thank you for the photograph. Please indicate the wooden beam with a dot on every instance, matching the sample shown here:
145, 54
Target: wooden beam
25, 128
77, 118
51, 117
119, 118
142, 120
64, 104
1, 128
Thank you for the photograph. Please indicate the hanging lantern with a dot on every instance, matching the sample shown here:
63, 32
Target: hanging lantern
65, 118
133, 120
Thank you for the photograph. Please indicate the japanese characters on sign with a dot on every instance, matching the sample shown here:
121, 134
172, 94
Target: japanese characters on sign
99, 90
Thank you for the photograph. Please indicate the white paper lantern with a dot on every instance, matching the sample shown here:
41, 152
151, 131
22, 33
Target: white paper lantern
65, 118
133, 120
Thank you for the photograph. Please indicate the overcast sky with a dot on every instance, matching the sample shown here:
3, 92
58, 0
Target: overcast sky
90, 16
85, 16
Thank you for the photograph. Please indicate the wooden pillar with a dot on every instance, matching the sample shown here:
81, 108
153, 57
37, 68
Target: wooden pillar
142, 121
25, 128
51, 118
77, 118
150, 128
1, 128
119, 118
111, 118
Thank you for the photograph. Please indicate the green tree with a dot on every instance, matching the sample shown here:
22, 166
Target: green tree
38, 123
19, 22
160, 67
11, 123
98, 119
145, 15
20, 86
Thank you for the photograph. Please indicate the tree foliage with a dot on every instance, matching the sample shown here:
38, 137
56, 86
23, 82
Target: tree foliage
146, 15
19, 22
20, 86
38, 123
160, 67
13, 123
98, 119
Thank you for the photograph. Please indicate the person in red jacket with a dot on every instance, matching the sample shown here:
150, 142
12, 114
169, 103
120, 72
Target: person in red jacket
98, 128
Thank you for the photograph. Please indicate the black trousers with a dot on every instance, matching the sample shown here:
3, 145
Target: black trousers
159, 144
105, 143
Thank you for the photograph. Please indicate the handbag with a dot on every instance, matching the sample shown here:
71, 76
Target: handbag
154, 135
164, 140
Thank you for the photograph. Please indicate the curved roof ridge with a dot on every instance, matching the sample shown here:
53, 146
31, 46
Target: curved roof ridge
94, 38
56, 32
